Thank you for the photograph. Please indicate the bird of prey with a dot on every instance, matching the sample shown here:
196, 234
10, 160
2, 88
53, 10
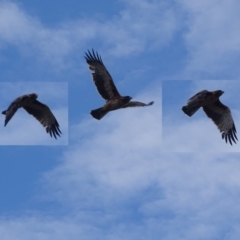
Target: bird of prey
107, 89
39, 110
219, 113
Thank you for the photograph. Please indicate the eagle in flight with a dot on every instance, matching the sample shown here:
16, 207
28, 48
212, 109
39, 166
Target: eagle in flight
39, 110
219, 113
107, 89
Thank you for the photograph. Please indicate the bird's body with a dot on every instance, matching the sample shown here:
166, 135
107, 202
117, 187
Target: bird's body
39, 110
112, 105
214, 109
106, 88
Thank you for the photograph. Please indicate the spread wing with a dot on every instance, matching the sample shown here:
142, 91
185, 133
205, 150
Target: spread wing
44, 115
222, 117
101, 76
137, 104
198, 97
12, 109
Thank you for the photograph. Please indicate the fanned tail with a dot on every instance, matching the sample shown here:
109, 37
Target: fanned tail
98, 113
190, 110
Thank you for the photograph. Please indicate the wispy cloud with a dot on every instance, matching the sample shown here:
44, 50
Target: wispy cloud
116, 180
117, 184
136, 28
115, 138
30, 36
133, 29
212, 38
207, 31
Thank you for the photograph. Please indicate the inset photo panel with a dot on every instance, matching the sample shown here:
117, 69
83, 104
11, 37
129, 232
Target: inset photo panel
200, 116
34, 113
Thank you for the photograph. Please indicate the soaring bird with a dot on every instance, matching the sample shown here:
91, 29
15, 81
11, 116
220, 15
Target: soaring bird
107, 89
39, 110
218, 112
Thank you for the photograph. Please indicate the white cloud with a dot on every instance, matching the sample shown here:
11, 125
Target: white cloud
196, 135
212, 38
46, 228
110, 142
115, 183
209, 30
132, 30
30, 36
141, 25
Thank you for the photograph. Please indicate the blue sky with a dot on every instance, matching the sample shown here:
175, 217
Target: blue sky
144, 173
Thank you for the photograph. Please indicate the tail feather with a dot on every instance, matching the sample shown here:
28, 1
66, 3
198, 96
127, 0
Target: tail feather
190, 110
6, 119
98, 113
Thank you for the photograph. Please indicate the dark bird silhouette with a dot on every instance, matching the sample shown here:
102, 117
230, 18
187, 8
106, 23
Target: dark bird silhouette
39, 110
106, 88
218, 112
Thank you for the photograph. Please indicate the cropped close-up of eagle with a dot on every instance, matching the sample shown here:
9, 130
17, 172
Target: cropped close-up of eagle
39, 110
218, 112
106, 88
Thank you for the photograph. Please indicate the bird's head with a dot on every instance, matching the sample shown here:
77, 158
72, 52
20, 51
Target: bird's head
219, 93
33, 96
127, 98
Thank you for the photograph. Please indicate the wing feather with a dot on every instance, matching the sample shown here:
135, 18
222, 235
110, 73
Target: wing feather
101, 77
198, 97
137, 104
44, 115
222, 117
12, 109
